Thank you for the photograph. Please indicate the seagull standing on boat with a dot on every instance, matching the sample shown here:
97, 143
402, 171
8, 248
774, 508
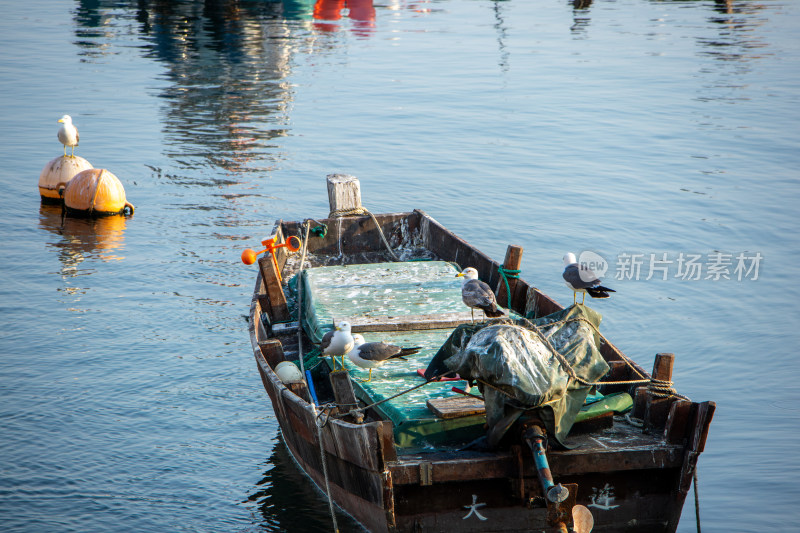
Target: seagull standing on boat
373, 354
338, 341
477, 295
68, 134
582, 281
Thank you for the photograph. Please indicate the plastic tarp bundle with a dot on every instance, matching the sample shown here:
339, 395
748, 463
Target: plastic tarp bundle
524, 365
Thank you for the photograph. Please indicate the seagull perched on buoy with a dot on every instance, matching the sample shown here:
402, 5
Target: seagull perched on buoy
373, 354
338, 341
68, 134
582, 280
477, 295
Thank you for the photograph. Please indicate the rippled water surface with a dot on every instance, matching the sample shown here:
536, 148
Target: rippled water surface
130, 401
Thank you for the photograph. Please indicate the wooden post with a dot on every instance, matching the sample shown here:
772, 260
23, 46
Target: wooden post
512, 261
343, 391
344, 192
657, 407
279, 311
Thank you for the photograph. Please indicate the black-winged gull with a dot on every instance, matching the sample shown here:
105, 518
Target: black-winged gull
68, 134
477, 295
582, 281
338, 341
373, 354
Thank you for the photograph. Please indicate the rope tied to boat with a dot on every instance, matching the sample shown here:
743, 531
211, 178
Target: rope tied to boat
507, 274
360, 211
325, 412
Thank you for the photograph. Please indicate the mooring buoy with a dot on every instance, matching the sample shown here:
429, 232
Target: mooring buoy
95, 192
58, 172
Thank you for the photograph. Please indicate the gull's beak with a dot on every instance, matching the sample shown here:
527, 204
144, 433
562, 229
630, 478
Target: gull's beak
460, 274
61, 120
337, 328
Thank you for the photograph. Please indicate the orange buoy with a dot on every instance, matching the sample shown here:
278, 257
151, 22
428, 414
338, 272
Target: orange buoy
96, 192
58, 172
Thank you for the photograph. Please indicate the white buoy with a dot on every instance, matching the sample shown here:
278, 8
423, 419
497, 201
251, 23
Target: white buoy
288, 372
58, 172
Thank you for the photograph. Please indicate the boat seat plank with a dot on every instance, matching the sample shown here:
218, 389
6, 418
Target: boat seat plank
360, 324
456, 406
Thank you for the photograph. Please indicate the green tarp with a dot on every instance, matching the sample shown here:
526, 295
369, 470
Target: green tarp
519, 362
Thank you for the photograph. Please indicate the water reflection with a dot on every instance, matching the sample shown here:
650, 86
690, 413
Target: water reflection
82, 238
362, 12
502, 34
226, 63
289, 501
580, 16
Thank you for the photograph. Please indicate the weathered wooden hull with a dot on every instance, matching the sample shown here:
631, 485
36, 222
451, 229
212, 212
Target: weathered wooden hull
632, 480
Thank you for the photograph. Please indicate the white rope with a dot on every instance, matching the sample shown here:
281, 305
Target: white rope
303, 370
337, 213
325, 468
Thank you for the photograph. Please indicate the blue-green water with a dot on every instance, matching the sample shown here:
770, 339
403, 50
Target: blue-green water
130, 401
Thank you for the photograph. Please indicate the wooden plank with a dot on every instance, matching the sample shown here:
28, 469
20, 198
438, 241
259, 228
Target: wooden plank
344, 192
300, 389
388, 500
357, 443
357, 491
281, 254
677, 427
272, 350
343, 391
386, 442
639, 402
704, 416
279, 311
406, 322
456, 406
562, 463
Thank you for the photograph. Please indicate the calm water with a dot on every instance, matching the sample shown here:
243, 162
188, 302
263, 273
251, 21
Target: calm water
130, 401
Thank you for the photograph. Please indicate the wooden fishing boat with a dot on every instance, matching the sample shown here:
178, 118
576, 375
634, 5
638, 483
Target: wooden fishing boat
407, 467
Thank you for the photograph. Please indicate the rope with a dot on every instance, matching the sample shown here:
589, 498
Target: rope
319, 425
696, 500
325, 469
507, 274
415, 387
355, 211
300, 301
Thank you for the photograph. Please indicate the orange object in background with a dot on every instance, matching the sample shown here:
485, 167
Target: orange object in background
292, 244
362, 11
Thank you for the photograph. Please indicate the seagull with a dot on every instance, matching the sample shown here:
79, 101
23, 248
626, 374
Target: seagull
374, 354
68, 134
477, 295
338, 341
582, 280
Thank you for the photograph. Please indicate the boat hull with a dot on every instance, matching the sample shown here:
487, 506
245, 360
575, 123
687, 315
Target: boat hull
637, 486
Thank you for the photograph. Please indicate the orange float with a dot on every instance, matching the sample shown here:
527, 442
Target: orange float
96, 192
